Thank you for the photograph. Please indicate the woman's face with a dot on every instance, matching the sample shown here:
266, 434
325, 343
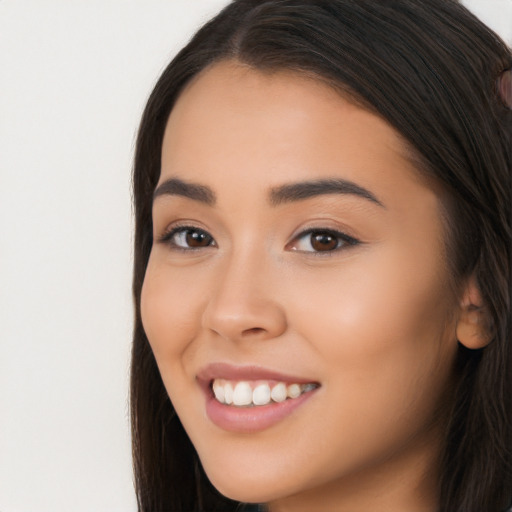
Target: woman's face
294, 244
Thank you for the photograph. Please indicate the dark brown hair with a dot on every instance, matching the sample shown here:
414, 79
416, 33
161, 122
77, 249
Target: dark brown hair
429, 68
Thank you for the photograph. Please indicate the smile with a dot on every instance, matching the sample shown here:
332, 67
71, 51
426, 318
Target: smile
257, 393
249, 399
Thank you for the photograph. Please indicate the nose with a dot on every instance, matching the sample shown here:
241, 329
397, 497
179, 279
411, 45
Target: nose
243, 304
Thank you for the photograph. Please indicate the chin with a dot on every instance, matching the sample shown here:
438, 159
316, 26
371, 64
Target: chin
248, 488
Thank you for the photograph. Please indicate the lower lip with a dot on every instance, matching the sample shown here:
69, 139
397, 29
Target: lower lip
252, 419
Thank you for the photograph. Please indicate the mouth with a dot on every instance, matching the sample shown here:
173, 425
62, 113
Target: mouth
250, 398
257, 393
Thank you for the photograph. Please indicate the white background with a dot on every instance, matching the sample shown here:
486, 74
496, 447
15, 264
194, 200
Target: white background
74, 76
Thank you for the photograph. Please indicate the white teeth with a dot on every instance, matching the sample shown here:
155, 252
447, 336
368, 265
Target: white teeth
228, 393
279, 392
242, 393
261, 395
293, 391
218, 390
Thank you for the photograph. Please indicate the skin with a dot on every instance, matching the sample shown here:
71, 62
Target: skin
373, 322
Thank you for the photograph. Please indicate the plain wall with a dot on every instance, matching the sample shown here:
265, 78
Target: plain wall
74, 76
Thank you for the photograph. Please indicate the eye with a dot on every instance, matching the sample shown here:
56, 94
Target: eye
322, 240
187, 238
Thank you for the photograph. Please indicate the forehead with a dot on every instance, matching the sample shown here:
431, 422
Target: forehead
240, 126
280, 101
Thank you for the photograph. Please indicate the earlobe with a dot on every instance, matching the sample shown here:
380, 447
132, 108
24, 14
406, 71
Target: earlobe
473, 325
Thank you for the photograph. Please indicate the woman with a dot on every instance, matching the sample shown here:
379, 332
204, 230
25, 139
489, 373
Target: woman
322, 263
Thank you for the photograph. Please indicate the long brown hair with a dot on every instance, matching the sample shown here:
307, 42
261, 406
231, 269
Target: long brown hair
429, 68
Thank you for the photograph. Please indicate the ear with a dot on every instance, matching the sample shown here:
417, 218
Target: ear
472, 325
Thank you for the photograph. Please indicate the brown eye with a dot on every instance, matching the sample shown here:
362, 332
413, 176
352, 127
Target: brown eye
195, 238
323, 241
188, 238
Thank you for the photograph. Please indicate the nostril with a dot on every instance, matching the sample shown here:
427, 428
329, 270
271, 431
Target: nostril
253, 331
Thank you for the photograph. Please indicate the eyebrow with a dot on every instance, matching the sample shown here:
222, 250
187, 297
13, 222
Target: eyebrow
279, 195
177, 187
307, 189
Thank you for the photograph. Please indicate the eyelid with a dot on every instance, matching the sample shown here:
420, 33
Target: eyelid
347, 240
176, 227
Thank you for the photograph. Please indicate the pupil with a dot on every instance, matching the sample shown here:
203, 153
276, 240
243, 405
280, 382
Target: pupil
197, 239
323, 242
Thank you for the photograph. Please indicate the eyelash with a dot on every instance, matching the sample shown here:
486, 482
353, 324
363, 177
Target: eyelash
343, 240
168, 237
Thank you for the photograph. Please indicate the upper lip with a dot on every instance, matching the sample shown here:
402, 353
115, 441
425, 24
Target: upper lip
246, 372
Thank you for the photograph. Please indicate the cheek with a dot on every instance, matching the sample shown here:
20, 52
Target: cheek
378, 300
386, 346
385, 334
170, 311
